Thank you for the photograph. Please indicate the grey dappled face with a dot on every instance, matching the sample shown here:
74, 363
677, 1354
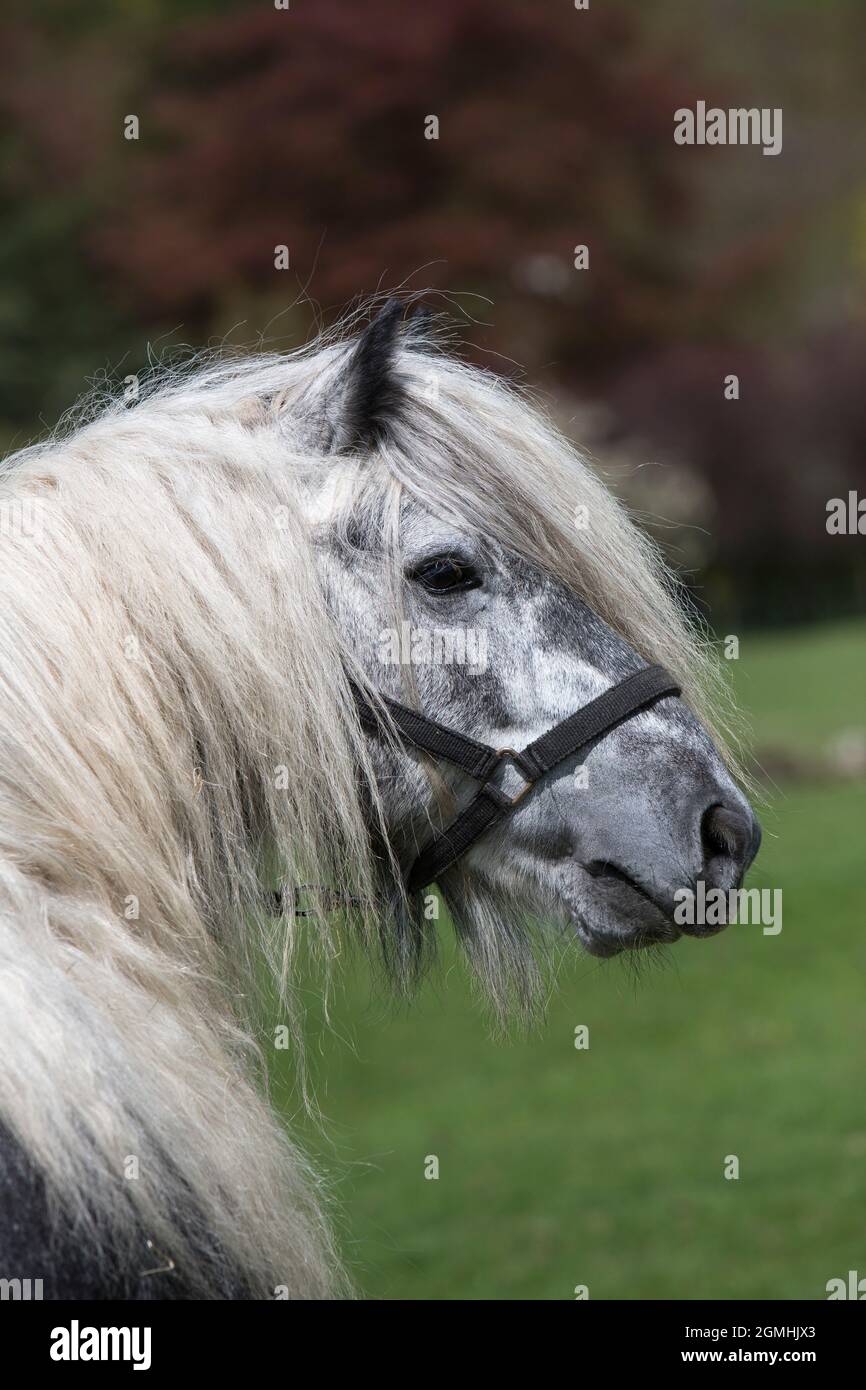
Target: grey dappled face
500, 651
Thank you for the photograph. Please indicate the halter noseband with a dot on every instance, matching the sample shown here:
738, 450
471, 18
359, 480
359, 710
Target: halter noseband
587, 725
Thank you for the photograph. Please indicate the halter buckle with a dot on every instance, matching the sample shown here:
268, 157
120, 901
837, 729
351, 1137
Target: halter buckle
513, 754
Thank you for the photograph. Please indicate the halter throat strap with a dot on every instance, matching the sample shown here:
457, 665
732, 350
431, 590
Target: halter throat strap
575, 734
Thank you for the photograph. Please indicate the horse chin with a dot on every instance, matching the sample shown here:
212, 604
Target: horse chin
610, 916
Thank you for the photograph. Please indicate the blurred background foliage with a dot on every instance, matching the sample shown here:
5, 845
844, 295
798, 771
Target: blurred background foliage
261, 127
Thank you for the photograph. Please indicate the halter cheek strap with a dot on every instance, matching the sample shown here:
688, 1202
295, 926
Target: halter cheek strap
586, 726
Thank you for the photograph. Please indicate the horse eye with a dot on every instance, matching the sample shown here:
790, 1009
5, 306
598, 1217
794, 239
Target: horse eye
445, 575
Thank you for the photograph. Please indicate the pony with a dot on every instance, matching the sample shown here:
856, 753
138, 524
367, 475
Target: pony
193, 585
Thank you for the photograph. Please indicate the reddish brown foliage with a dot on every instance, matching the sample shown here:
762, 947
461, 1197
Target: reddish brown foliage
307, 128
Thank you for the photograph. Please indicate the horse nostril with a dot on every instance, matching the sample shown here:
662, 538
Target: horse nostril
731, 833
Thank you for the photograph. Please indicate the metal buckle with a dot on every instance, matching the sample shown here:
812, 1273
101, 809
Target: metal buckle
513, 754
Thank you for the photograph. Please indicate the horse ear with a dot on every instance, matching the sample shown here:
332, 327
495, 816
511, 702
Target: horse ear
371, 394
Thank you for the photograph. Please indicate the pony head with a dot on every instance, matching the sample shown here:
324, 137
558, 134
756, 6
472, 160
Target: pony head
477, 570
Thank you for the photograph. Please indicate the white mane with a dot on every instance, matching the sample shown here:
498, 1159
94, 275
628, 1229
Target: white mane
177, 736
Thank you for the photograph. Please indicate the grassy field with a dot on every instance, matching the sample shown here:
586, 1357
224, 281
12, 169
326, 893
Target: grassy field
604, 1167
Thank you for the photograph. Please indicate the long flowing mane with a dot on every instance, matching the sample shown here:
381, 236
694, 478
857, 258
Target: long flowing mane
177, 735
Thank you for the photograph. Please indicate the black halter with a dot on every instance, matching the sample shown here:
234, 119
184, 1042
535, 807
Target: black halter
586, 726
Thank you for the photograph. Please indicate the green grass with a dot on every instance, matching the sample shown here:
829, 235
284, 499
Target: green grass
799, 688
605, 1167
